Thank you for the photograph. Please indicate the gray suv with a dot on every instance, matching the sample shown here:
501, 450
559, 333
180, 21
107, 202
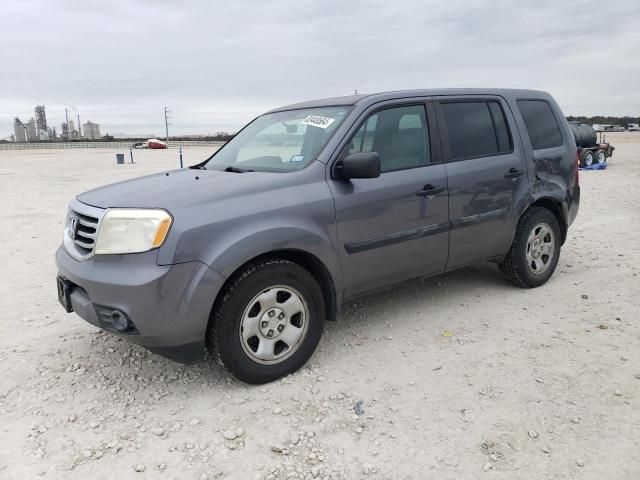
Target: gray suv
310, 205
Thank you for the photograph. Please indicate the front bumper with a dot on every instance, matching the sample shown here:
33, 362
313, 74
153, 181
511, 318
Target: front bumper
168, 305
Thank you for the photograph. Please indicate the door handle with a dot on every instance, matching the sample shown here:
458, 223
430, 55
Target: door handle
429, 191
514, 173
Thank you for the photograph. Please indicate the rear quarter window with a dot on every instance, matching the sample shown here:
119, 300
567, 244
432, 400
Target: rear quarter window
542, 125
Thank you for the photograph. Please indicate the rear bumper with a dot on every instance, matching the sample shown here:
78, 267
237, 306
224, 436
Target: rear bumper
169, 305
572, 210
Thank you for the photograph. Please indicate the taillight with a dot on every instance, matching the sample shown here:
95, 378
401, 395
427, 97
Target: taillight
577, 168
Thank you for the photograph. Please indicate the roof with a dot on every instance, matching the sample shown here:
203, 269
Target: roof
381, 96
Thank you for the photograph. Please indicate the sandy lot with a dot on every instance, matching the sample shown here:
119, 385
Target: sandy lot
462, 376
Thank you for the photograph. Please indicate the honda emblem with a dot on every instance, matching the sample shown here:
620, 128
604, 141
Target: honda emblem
73, 226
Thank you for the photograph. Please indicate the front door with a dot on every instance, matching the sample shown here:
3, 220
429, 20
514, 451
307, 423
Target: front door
396, 226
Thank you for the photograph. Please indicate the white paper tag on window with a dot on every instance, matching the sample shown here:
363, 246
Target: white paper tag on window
318, 121
297, 158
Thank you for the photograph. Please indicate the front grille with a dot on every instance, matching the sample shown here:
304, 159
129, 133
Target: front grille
83, 231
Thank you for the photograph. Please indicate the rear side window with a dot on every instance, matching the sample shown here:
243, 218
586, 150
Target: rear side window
541, 123
476, 129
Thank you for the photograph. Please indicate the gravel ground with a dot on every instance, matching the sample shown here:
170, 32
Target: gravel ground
461, 376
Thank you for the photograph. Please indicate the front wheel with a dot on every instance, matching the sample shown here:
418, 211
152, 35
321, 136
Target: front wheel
268, 321
534, 253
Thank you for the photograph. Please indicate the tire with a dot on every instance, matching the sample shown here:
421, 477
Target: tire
600, 156
268, 321
529, 263
586, 158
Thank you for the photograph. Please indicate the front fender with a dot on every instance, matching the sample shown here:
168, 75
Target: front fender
295, 213
228, 255
226, 247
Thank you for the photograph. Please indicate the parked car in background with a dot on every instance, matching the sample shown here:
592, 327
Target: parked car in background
312, 205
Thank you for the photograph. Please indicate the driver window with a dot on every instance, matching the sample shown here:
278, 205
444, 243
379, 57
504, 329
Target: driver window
399, 135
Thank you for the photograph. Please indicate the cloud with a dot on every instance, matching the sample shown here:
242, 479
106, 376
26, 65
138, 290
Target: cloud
218, 64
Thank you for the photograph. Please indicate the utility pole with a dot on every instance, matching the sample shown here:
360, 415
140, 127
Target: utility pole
166, 122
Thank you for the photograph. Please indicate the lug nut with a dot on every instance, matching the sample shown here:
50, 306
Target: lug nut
270, 333
281, 316
280, 328
264, 324
271, 313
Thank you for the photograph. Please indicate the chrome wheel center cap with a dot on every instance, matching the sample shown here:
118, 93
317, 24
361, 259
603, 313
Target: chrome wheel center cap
272, 323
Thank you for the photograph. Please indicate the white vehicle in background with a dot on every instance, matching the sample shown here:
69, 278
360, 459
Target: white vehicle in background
633, 127
601, 127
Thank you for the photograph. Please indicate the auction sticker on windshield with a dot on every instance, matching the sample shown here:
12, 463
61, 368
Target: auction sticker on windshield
318, 121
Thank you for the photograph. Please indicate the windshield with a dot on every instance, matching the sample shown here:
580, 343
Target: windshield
280, 141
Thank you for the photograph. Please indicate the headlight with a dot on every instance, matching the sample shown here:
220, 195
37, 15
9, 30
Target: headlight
130, 230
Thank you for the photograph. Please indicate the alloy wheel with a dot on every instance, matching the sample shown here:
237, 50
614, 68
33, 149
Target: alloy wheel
540, 248
274, 324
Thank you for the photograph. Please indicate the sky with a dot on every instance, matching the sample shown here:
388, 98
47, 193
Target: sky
216, 65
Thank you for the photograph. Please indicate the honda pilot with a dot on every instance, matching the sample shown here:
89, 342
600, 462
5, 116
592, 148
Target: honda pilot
311, 205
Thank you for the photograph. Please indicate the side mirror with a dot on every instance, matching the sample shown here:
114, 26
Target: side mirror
360, 165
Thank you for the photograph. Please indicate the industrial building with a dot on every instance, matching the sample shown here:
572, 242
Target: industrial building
25, 132
69, 131
19, 131
36, 129
41, 123
91, 130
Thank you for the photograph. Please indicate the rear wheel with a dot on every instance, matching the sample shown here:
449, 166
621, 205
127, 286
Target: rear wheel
268, 321
534, 253
601, 156
586, 158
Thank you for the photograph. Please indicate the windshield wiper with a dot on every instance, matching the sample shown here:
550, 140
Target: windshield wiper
237, 169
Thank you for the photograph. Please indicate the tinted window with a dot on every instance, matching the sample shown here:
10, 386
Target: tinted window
476, 129
470, 129
500, 124
399, 135
541, 123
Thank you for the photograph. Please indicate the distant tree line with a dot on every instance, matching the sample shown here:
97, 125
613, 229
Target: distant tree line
598, 119
217, 137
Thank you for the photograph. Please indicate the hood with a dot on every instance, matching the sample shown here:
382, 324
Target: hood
177, 188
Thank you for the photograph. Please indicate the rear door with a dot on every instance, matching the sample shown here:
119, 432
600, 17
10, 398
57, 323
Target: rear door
486, 173
393, 227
